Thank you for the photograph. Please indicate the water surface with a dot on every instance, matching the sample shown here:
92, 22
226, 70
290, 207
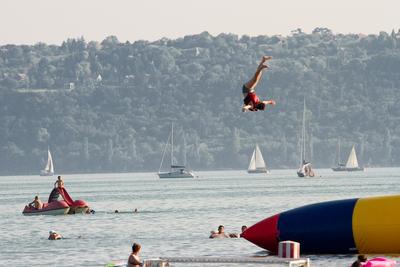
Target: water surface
175, 216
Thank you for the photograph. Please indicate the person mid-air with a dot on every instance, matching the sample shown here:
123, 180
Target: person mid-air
251, 102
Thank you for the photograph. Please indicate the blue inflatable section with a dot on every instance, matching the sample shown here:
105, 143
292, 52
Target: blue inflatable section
320, 228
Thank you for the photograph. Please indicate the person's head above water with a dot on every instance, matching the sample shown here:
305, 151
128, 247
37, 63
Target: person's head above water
36, 197
221, 229
136, 247
244, 228
362, 258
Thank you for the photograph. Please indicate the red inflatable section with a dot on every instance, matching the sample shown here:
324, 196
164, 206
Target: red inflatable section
72, 203
66, 196
264, 234
379, 262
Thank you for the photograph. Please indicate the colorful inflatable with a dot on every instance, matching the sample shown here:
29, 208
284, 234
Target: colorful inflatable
361, 225
379, 262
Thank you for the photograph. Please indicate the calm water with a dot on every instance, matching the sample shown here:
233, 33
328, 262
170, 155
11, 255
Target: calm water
175, 215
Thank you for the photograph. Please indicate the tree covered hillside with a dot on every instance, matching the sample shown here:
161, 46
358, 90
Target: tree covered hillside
109, 106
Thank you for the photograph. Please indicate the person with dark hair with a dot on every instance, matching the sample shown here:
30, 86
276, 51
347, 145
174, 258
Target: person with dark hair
220, 234
36, 203
361, 258
244, 228
233, 235
134, 260
59, 182
251, 102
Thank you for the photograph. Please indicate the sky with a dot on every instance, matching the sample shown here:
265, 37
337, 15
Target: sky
53, 21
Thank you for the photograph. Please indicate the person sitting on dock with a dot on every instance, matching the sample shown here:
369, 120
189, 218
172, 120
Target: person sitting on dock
53, 235
361, 258
59, 182
36, 203
134, 260
220, 234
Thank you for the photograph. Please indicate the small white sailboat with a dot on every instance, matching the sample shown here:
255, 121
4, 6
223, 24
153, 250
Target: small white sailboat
351, 165
305, 166
49, 168
352, 162
257, 163
176, 170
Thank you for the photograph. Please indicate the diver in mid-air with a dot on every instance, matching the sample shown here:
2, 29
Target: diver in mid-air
251, 102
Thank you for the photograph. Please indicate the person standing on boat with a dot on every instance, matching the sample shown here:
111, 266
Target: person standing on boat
59, 182
251, 102
36, 203
134, 260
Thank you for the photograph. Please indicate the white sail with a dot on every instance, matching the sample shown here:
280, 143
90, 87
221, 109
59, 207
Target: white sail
257, 161
352, 160
49, 166
252, 165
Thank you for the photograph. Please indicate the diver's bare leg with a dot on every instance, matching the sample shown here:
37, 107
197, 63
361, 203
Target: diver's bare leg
257, 76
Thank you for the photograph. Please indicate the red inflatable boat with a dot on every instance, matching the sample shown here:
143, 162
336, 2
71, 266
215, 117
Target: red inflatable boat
52, 208
58, 207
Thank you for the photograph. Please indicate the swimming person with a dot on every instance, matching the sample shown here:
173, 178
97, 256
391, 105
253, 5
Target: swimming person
59, 182
36, 203
361, 258
251, 102
134, 260
53, 235
244, 228
220, 234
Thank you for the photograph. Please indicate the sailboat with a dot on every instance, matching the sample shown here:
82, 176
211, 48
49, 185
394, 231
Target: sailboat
49, 168
352, 163
176, 170
305, 166
257, 163
340, 166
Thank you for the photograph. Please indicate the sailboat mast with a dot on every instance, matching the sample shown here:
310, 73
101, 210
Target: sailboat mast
172, 144
184, 150
255, 156
339, 151
303, 135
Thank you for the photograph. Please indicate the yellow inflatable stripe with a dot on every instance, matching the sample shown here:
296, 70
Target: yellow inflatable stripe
376, 225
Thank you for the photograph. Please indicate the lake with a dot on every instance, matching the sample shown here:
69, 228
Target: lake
174, 218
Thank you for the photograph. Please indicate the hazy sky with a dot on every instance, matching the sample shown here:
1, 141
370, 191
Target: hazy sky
52, 21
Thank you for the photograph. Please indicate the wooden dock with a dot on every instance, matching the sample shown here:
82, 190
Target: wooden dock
262, 261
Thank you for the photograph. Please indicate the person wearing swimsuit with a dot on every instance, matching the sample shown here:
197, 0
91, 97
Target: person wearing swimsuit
251, 102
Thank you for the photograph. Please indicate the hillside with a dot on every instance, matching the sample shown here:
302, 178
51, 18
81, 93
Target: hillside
109, 106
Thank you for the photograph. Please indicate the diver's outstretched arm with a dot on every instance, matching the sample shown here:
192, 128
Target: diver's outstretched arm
257, 76
269, 102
